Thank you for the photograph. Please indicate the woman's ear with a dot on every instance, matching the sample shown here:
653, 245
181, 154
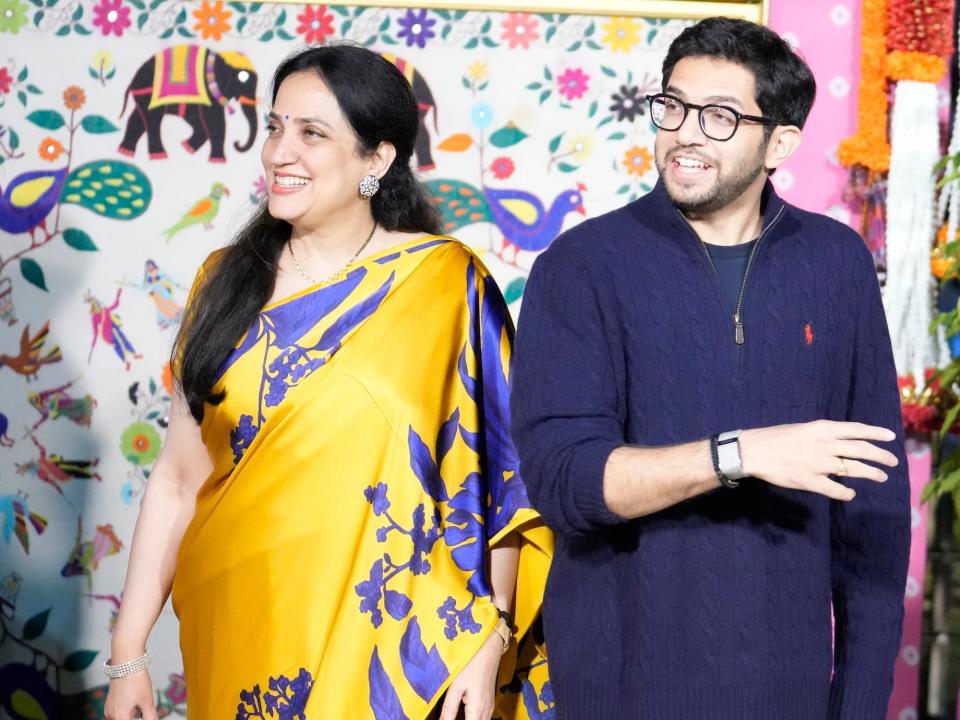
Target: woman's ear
382, 158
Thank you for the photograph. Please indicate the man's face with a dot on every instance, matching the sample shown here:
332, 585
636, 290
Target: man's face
702, 175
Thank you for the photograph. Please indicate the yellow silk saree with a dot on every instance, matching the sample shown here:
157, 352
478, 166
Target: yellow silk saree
336, 563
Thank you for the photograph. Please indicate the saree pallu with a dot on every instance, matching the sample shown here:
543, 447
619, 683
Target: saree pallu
336, 566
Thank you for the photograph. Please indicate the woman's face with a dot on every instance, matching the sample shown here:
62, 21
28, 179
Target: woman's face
310, 155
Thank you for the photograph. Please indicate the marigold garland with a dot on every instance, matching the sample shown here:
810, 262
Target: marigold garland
869, 146
922, 26
911, 65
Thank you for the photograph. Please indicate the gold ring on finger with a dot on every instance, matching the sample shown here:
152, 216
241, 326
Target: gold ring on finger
843, 471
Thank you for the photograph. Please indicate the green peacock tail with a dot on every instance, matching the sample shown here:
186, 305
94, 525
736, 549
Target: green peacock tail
111, 188
460, 204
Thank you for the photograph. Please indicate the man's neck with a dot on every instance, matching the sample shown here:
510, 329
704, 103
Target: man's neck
734, 224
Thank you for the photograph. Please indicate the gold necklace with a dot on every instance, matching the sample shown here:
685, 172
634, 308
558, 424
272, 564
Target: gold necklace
314, 281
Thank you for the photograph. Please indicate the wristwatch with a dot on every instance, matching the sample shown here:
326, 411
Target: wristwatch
504, 628
727, 464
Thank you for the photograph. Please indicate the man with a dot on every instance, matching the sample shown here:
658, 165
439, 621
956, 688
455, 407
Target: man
696, 568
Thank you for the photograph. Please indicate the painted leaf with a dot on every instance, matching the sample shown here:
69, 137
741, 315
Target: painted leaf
609, 72
35, 626
514, 290
446, 436
79, 660
32, 273
397, 604
78, 240
425, 468
424, 669
457, 142
22, 75
80, 29
384, 701
97, 125
555, 143
471, 43
14, 139
566, 167
47, 119
507, 136
531, 702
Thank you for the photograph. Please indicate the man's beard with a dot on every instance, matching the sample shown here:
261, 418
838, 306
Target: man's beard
724, 189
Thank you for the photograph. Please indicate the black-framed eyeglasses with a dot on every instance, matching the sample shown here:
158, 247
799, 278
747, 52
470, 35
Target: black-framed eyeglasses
718, 122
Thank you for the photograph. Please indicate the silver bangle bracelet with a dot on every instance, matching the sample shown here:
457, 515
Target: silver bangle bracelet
131, 667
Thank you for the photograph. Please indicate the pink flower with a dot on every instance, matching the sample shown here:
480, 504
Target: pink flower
502, 167
5, 81
572, 83
315, 24
519, 29
112, 16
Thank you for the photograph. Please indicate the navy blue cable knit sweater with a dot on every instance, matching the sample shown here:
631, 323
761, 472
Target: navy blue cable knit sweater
718, 608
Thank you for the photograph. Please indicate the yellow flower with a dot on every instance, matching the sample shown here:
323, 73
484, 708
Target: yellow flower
477, 71
622, 33
579, 147
102, 61
637, 160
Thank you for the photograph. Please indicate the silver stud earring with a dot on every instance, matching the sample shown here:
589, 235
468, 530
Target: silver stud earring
369, 184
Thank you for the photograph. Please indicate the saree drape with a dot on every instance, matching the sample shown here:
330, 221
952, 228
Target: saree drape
336, 563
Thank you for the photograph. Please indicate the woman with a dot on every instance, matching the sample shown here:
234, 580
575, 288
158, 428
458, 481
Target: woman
338, 494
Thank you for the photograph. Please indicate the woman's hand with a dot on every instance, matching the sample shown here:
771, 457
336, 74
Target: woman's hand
476, 685
131, 697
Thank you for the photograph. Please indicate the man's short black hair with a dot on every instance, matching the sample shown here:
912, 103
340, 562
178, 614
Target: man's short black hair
784, 82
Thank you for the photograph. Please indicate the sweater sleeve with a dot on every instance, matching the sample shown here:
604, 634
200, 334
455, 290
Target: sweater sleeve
564, 398
871, 534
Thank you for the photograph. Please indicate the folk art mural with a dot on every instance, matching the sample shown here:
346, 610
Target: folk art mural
129, 132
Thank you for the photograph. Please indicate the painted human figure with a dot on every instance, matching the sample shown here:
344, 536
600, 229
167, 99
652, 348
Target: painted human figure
106, 324
55, 470
161, 287
56, 402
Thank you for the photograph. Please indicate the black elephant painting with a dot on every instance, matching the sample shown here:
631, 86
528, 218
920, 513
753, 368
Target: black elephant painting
426, 103
194, 83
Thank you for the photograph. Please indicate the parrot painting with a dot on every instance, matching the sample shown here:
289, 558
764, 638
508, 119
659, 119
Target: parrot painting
15, 514
203, 211
31, 356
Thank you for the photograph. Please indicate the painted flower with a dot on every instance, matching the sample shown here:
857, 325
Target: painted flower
502, 167
481, 115
627, 104
637, 160
176, 691
111, 16
622, 33
519, 30
5, 81
102, 61
166, 377
376, 495
13, 15
477, 71
572, 83
259, 193
140, 443
579, 147
50, 149
74, 98
416, 28
212, 20
316, 24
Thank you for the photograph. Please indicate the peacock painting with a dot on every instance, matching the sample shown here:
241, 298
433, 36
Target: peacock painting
110, 188
520, 216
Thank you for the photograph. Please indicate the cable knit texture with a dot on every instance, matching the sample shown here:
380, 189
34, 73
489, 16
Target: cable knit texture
718, 608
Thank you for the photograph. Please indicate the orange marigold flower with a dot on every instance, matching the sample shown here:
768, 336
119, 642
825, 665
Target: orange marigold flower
919, 66
212, 20
74, 98
638, 160
50, 149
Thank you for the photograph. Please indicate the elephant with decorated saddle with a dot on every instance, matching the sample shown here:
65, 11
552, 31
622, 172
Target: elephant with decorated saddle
196, 84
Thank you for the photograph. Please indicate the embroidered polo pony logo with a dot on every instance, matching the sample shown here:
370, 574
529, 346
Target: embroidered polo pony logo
808, 333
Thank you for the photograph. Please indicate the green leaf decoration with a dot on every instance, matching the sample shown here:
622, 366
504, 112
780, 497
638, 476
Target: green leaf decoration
34, 90
345, 28
92, 73
471, 43
616, 136
138, 4
80, 29
609, 72
183, 31
281, 18
623, 189
153, 386
142, 20
78, 240
156, 3
166, 33
593, 108
254, 7
65, 30
97, 125
284, 35
35, 626
566, 167
14, 139
237, 6
385, 24
181, 17
594, 45
487, 24
607, 119
38, 3
483, 85
78, 13
153, 415
79, 660
446, 31
110, 74
340, 10
33, 273
22, 75
534, 86
267, 36
514, 290
546, 73
22, 97
241, 23
589, 31
445, 14
555, 143
544, 95
551, 31
507, 136
2, 159
37, 17
575, 46
489, 42
370, 40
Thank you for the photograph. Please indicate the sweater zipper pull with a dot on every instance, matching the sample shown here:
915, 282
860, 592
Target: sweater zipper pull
738, 329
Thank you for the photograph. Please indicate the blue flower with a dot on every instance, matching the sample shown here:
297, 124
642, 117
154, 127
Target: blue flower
377, 496
371, 591
423, 542
481, 115
242, 436
452, 617
416, 28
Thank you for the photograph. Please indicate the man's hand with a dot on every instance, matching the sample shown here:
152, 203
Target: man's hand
802, 456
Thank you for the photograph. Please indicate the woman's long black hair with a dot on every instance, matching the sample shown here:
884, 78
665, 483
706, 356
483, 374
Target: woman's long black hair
378, 102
